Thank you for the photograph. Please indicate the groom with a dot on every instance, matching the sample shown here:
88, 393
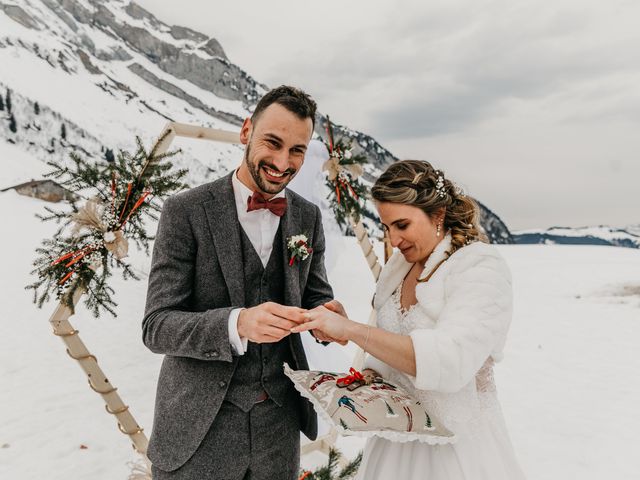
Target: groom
221, 301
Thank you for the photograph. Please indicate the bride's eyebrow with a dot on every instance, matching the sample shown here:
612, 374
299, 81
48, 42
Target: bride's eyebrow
395, 221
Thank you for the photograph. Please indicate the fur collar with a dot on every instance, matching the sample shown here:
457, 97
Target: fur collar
397, 268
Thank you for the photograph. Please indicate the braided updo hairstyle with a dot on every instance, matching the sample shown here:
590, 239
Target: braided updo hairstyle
417, 183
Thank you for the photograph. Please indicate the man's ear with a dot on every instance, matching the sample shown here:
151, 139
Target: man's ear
245, 131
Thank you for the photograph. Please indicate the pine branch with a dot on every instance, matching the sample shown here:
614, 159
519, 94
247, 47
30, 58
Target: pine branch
351, 468
68, 262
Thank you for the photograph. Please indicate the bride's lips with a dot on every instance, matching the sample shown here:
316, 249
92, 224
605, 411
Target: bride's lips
273, 175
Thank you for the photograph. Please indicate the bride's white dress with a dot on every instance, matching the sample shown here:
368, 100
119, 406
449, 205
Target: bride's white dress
483, 450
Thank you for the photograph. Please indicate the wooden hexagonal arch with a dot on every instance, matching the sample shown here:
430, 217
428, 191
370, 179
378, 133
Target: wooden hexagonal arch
97, 379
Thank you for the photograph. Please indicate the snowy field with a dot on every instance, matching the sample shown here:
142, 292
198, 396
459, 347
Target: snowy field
568, 383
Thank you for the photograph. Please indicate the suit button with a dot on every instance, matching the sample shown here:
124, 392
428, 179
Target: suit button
214, 354
265, 360
207, 354
222, 384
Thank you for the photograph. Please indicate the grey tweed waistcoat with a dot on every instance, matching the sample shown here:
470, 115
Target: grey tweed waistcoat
260, 368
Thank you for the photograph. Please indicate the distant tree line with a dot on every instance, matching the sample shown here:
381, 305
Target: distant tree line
5, 104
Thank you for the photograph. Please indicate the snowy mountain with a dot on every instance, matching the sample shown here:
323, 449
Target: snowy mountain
111, 70
88, 76
601, 235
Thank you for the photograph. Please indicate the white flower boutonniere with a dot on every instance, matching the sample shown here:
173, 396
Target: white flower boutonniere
299, 248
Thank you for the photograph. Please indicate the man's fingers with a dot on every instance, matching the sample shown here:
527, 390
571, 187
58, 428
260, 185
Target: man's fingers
281, 323
305, 327
274, 334
294, 314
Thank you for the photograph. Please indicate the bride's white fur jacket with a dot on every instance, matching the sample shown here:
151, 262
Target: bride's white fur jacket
465, 311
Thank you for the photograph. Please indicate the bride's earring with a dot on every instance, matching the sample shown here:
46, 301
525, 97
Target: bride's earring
438, 229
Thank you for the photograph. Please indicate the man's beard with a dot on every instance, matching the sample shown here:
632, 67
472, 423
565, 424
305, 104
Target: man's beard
264, 185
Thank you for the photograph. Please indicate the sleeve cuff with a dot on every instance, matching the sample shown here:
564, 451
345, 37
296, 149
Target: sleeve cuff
238, 344
428, 368
378, 365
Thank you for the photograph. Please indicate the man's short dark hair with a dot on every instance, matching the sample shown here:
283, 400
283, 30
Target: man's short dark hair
291, 98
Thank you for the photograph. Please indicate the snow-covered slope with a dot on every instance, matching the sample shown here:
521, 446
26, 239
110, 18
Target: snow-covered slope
110, 70
70, 69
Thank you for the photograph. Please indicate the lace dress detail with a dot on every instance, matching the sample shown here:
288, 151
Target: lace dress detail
397, 300
483, 450
451, 408
485, 381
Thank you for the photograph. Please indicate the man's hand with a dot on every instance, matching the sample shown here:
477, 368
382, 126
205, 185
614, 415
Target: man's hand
269, 322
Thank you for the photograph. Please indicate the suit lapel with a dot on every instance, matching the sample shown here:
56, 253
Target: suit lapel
291, 225
225, 229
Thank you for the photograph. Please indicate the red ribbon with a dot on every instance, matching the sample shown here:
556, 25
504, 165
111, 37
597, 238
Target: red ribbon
126, 200
135, 207
66, 277
329, 135
353, 376
353, 192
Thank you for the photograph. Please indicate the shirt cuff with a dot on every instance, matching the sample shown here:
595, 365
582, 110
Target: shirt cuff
238, 343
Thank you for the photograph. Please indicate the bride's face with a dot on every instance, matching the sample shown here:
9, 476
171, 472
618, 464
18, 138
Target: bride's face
411, 230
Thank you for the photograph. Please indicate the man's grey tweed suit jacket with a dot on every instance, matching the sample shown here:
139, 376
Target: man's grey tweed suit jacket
196, 279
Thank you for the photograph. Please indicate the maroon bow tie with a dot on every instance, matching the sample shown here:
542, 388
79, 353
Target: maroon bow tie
277, 206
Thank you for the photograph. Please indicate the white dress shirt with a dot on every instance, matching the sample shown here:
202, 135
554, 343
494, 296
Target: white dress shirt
261, 227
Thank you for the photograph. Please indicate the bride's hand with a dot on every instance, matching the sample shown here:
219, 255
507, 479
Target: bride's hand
329, 323
321, 337
336, 306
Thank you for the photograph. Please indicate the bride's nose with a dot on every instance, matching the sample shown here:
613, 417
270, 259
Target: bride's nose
395, 239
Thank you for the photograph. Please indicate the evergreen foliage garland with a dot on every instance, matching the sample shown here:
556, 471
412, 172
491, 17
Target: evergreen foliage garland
330, 470
122, 195
346, 192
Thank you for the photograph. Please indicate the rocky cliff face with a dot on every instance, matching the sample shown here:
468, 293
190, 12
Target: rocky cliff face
178, 51
493, 226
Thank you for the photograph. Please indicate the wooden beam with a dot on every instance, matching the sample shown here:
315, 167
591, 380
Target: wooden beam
205, 133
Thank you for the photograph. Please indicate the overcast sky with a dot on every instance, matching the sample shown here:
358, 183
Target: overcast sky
532, 106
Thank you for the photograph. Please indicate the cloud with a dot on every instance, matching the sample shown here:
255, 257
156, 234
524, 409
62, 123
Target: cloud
499, 93
430, 70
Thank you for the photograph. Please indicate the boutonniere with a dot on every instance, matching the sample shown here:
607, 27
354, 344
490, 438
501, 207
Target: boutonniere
299, 249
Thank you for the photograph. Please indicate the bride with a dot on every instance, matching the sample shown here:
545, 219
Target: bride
444, 306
